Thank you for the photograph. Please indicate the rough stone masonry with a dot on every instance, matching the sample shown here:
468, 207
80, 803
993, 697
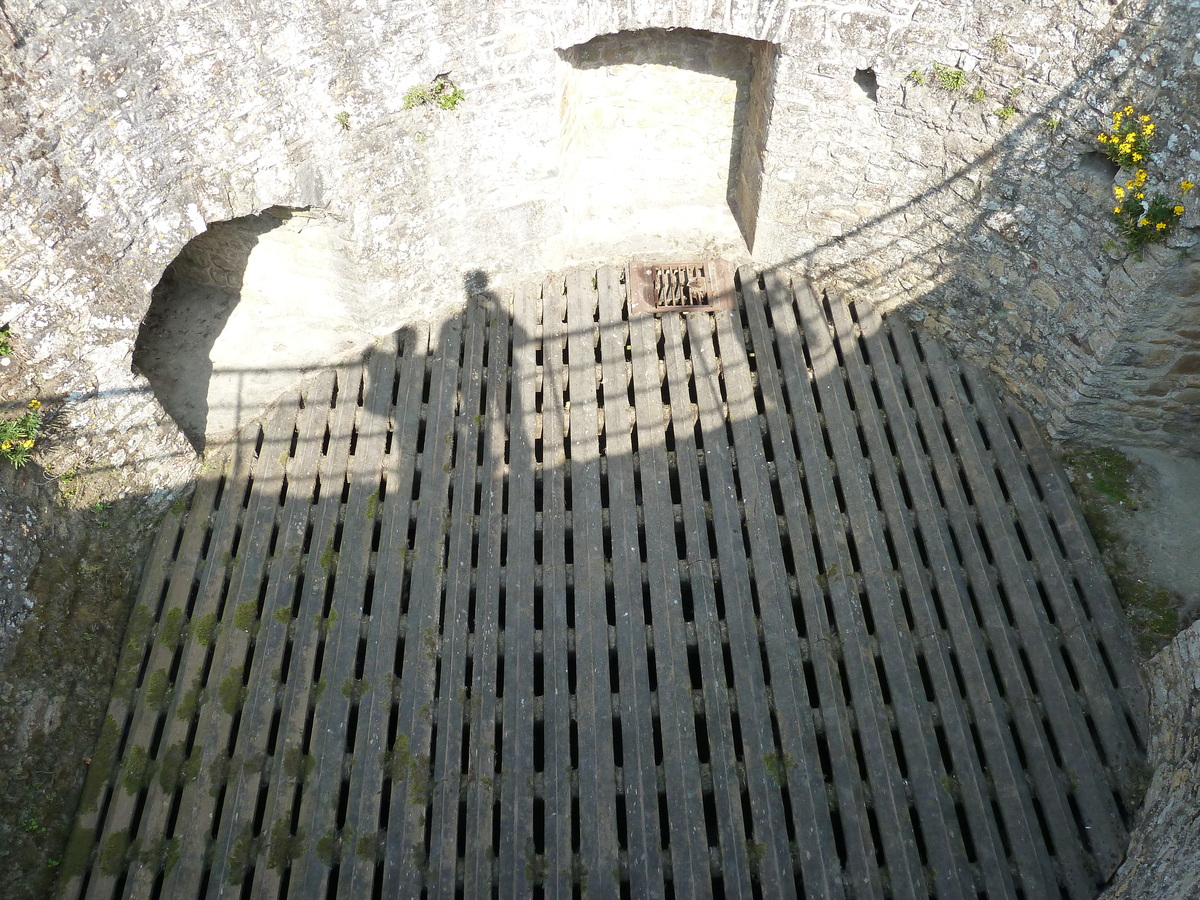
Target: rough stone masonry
129, 128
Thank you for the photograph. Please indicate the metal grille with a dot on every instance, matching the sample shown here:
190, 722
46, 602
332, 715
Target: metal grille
681, 287
774, 602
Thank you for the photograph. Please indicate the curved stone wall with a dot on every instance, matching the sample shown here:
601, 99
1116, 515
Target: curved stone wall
131, 126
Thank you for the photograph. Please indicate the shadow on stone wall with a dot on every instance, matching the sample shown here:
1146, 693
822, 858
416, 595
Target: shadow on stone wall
245, 310
1000, 256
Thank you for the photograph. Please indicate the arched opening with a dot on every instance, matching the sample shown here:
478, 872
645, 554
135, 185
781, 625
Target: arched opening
241, 314
662, 139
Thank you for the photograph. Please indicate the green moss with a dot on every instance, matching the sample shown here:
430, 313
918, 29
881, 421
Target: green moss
372, 506
245, 617
369, 847
328, 559
174, 628
185, 709
282, 846
756, 851
218, 773
158, 687
401, 758
778, 765
297, 764
283, 615
329, 848
204, 629
103, 760
160, 855
138, 769
1104, 469
113, 853
78, 852
353, 689
419, 780
170, 768
231, 691
241, 854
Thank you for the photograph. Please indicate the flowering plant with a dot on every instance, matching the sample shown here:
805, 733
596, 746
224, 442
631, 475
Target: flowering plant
1141, 219
1128, 143
17, 436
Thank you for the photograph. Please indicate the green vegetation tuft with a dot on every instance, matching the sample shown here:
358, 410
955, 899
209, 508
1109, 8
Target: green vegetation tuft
1105, 469
245, 617
113, 853
158, 688
231, 691
204, 629
174, 628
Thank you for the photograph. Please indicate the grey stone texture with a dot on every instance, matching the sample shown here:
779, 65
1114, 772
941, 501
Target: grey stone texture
1164, 853
130, 127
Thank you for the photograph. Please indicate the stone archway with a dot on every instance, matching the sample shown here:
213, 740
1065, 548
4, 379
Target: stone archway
245, 310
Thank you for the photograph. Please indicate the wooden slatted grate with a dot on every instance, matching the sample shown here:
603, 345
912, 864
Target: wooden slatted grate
559, 602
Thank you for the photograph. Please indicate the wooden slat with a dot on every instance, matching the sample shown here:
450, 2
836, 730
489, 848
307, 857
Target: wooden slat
367, 798
516, 861
1035, 869
768, 826
405, 855
1103, 606
798, 758
1096, 686
681, 765
888, 788
1003, 637
454, 687
271, 632
596, 771
489, 597
164, 569
772, 602
637, 729
557, 639
1086, 782
718, 700
226, 677
291, 764
861, 871
349, 561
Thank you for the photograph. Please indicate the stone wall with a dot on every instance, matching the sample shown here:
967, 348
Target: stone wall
132, 126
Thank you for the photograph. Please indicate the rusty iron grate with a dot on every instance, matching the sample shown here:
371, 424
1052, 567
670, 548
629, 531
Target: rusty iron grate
681, 287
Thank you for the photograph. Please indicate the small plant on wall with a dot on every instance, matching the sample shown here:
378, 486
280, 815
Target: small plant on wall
1129, 141
441, 92
18, 436
1142, 217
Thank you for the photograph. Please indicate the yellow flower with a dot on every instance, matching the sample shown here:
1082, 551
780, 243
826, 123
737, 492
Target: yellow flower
35, 404
1137, 157
27, 444
1178, 210
7, 445
1140, 178
1103, 138
1145, 118
1116, 209
1140, 196
1143, 222
1159, 226
1118, 191
1129, 110
1186, 186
